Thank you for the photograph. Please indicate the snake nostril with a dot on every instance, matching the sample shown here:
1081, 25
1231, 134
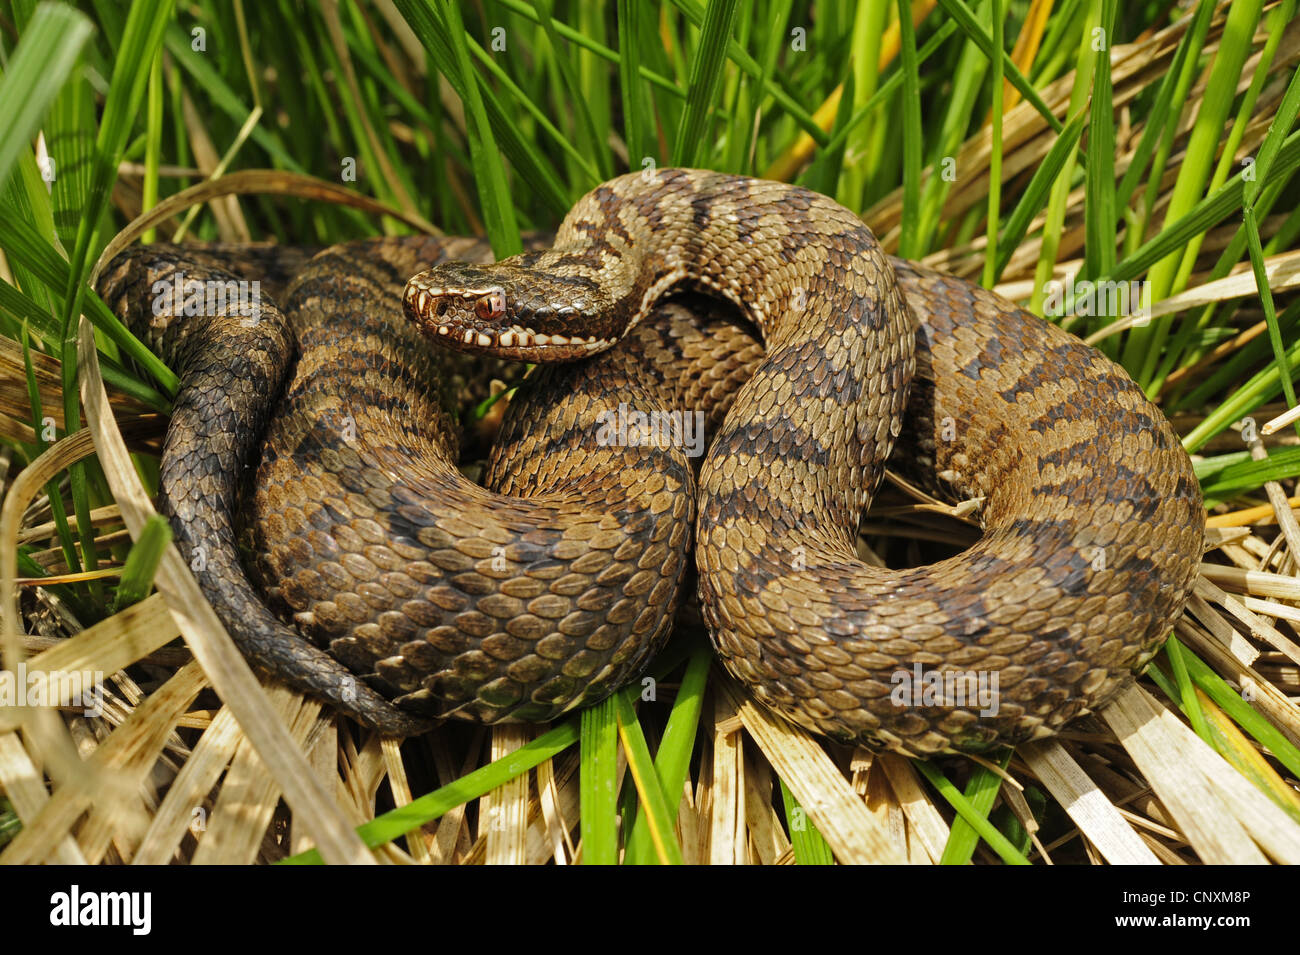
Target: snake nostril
441, 308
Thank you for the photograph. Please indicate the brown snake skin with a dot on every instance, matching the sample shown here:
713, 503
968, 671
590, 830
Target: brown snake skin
447, 598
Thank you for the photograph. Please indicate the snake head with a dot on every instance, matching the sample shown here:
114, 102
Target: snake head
499, 310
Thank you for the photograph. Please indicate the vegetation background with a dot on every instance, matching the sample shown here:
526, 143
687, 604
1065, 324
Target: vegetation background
1015, 142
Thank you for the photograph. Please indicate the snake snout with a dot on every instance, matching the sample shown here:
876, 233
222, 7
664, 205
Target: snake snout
464, 308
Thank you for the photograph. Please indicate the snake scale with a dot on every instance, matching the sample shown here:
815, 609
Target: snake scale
319, 439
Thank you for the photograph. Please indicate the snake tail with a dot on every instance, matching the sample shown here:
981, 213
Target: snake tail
232, 367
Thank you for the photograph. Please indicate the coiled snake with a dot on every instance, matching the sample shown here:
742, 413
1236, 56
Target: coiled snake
416, 593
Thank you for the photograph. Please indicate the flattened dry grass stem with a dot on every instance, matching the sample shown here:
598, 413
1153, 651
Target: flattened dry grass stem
802, 764
212, 647
1203, 818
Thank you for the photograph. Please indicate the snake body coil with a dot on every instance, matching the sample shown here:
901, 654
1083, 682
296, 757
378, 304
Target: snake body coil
447, 598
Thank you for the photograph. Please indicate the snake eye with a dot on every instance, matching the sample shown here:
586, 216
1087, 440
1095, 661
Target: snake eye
492, 306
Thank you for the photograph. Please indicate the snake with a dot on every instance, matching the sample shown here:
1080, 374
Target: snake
312, 476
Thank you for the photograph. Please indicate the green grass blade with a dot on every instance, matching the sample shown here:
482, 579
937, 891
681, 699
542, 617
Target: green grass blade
1180, 691
1238, 366
888, 89
638, 126
996, 840
1210, 211
672, 761
655, 805
1282, 464
70, 137
21, 242
1261, 388
395, 824
1099, 207
1144, 347
23, 309
596, 88
524, 157
201, 70
1060, 194
1196, 335
965, 20
142, 563
140, 42
869, 22
580, 39
40, 64
982, 793
1163, 117
438, 40
810, 846
1282, 124
485, 158
909, 235
1266, 301
1279, 17
27, 195
1185, 694
1242, 713
598, 784
960, 104
696, 14
153, 146
43, 440
706, 73
588, 140
773, 39
823, 174
995, 154
1040, 185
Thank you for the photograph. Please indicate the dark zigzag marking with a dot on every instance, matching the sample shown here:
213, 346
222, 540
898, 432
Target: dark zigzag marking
775, 440
1081, 450
809, 367
1080, 490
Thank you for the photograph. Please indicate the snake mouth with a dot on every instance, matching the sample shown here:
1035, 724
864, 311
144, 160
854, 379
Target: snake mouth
471, 319
517, 343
